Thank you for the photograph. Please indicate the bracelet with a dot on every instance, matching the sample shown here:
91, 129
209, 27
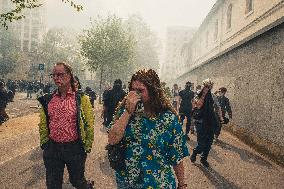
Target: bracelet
181, 186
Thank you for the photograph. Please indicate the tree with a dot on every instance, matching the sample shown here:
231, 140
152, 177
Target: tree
107, 45
8, 52
57, 45
145, 53
16, 12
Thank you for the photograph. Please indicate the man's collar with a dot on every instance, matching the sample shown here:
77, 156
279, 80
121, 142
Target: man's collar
69, 92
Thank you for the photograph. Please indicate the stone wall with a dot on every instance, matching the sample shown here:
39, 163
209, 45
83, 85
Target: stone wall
254, 76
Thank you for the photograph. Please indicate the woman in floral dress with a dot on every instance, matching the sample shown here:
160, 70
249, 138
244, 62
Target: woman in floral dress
155, 141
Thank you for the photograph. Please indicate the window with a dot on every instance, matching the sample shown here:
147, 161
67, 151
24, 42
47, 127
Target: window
216, 30
229, 17
249, 6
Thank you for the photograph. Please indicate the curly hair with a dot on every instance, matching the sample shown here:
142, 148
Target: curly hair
159, 102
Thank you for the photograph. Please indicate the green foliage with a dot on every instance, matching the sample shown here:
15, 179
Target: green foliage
116, 49
16, 12
108, 46
8, 52
59, 45
145, 52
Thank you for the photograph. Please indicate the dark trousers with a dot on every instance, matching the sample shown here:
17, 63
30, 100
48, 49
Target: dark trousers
92, 100
3, 115
56, 156
29, 93
108, 116
188, 122
218, 130
204, 140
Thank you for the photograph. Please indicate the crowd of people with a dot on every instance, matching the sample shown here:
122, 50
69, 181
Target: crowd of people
205, 113
146, 142
139, 113
32, 89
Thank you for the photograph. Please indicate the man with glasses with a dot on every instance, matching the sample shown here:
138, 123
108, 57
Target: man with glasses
66, 130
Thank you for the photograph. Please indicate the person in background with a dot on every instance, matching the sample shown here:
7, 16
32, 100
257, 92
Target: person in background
104, 111
111, 100
3, 103
47, 88
205, 121
155, 142
175, 97
124, 87
186, 97
92, 95
166, 89
30, 90
225, 107
66, 130
198, 89
12, 91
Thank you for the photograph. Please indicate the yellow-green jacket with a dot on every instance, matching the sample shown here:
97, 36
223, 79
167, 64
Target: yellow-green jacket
85, 120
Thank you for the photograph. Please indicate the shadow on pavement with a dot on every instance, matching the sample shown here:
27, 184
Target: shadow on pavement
216, 179
213, 153
245, 155
36, 155
37, 170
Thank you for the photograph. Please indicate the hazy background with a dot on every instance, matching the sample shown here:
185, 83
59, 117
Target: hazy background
157, 13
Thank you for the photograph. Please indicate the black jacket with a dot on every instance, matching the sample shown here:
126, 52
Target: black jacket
186, 96
225, 105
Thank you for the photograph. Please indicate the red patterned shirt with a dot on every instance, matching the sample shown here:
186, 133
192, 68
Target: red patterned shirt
62, 117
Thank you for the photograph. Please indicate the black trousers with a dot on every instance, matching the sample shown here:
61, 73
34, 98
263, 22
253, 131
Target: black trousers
204, 140
218, 130
56, 156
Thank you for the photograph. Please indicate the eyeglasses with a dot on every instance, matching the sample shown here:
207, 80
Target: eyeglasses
59, 75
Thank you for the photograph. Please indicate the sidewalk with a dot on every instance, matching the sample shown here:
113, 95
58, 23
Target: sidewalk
18, 136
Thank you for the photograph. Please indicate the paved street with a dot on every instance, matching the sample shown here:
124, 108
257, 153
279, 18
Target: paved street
213, 56
22, 105
233, 164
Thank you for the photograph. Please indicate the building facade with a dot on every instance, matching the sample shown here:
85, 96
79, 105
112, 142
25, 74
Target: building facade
240, 46
173, 64
229, 24
29, 30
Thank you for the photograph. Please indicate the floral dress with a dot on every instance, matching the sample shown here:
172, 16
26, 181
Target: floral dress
154, 146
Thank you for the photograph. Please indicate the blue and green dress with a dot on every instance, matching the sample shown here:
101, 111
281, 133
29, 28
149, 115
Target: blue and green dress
154, 146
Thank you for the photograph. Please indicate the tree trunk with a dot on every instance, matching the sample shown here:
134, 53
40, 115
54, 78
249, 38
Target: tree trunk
101, 79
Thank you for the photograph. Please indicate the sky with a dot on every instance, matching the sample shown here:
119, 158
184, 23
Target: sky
158, 14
